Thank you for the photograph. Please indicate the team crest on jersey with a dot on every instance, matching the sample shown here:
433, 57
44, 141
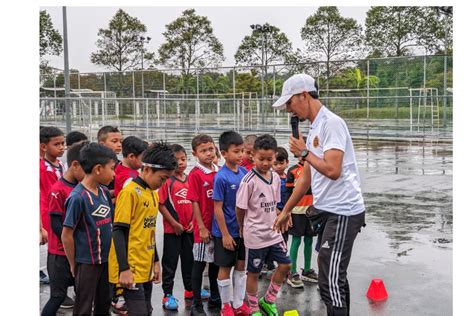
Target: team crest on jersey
101, 211
182, 193
316, 141
139, 192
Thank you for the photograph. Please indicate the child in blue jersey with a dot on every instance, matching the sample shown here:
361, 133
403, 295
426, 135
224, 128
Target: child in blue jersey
87, 230
229, 250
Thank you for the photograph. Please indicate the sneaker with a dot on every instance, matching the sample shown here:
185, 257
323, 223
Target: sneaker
309, 276
205, 294
269, 309
119, 307
227, 310
44, 279
256, 314
243, 310
170, 303
214, 302
294, 281
188, 295
198, 310
67, 303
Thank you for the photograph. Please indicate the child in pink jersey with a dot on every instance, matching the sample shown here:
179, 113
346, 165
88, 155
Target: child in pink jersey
257, 198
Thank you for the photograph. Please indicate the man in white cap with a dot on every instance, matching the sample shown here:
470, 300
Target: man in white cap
331, 170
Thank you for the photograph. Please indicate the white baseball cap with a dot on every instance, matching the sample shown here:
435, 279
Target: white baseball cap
295, 84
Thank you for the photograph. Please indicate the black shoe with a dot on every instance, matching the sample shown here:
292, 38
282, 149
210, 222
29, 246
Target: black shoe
44, 279
198, 310
214, 302
67, 303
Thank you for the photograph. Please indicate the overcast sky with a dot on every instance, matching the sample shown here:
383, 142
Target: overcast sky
230, 26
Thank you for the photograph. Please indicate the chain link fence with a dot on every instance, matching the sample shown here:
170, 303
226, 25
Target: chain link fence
391, 97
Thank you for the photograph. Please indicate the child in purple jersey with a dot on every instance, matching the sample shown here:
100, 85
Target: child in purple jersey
257, 198
87, 230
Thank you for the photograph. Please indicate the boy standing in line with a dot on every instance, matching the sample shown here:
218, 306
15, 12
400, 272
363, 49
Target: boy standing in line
51, 170
201, 182
58, 267
247, 160
257, 198
301, 228
87, 230
177, 214
134, 261
127, 169
229, 247
110, 137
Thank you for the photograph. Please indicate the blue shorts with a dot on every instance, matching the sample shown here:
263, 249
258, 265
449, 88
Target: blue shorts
256, 257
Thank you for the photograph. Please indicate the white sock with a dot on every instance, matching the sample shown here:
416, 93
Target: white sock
225, 290
240, 282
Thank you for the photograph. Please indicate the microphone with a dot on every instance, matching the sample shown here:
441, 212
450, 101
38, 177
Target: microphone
294, 126
294, 121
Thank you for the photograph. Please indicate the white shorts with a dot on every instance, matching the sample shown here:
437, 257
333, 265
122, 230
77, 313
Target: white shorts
203, 252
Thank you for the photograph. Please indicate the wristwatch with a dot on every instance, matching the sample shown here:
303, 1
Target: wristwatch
304, 154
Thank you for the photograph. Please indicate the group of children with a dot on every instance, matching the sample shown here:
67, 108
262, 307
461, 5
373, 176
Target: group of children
100, 214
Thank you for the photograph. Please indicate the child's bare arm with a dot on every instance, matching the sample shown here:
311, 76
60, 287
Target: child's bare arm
178, 228
68, 243
227, 240
204, 233
240, 214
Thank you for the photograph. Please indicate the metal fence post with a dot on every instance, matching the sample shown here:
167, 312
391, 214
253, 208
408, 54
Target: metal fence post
146, 118
233, 92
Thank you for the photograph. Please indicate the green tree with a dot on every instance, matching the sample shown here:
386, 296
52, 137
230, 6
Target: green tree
401, 31
190, 43
50, 41
277, 47
119, 45
329, 36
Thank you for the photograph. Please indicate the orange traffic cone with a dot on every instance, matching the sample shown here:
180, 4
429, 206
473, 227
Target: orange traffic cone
376, 291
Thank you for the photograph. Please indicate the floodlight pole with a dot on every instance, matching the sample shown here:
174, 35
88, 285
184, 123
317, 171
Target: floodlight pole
66, 73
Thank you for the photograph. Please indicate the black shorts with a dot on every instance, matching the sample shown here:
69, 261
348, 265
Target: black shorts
301, 226
228, 258
60, 277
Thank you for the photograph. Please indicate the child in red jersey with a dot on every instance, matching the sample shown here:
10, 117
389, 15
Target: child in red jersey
247, 161
201, 183
51, 169
127, 170
60, 276
178, 227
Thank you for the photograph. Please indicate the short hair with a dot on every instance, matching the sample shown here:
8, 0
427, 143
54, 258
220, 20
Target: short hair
104, 130
265, 142
48, 132
133, 145
75, 137
160, 154
250, 139
281, 154
94, 154
201, 139
73, 152
177, 148
229, 138
314, 94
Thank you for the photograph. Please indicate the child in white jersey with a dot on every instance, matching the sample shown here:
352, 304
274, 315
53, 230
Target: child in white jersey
257, 198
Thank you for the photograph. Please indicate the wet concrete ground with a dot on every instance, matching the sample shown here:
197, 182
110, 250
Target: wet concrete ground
407, 242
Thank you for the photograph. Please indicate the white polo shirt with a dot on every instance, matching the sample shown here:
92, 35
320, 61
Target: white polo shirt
342, 196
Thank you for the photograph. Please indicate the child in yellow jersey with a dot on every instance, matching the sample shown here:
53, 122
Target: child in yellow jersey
133, 261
